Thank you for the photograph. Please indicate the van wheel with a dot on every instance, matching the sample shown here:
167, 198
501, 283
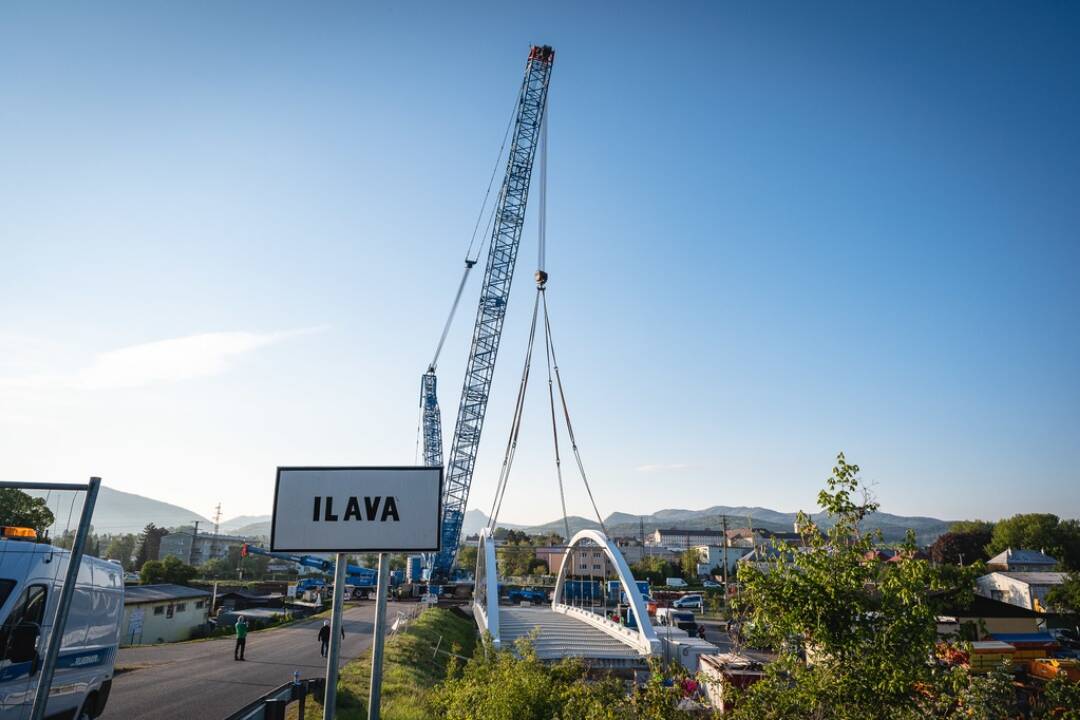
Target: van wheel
87, 708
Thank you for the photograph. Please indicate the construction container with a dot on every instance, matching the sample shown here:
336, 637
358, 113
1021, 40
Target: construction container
987, 655
1050, 668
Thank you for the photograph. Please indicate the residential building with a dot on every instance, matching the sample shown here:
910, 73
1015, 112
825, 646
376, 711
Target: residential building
684, 537
185, 545
1021, 560
585, 560
634, 551
163, 613
1024, 589
712, 556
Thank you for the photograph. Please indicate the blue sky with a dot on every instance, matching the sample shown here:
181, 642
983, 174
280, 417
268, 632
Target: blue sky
230, 236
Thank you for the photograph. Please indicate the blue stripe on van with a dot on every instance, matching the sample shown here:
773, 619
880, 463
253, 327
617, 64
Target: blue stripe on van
72, 660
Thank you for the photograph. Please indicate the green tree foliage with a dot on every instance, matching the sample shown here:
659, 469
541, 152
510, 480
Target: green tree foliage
170, 570
466, 557
1066, 597
149, 544
955, 548
690, 560
18, 508
122, 549
1039, 531
516, 685
1060, 700
217, 569
868, 626
964, 527
656, 570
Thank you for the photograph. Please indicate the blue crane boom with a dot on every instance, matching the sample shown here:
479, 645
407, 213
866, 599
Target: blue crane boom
508, 221
361, 576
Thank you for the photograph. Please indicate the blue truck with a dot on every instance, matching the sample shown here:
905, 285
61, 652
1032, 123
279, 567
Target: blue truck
617, 596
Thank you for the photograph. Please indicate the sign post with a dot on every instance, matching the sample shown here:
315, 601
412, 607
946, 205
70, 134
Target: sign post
352, 510
330, 703
375, 691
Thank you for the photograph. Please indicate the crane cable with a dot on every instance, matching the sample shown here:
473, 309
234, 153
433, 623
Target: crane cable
554, 425
515, 426
550, 344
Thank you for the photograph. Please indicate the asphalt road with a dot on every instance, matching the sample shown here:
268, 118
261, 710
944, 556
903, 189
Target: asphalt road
201, 680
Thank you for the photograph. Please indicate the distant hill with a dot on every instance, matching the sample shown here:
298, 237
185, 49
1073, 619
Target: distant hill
255, 529
121, 512
476, 520
893, 527
241, 521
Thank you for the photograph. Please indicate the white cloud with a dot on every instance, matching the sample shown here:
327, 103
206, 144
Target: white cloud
161, 361
662, 467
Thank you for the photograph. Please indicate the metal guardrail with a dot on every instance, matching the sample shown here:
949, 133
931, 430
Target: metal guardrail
271, 706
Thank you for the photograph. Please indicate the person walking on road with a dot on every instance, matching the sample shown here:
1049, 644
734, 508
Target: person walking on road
241, 638
324, 637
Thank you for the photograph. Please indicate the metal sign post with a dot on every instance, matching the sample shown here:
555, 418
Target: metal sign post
375, 692
357, 509
330, 703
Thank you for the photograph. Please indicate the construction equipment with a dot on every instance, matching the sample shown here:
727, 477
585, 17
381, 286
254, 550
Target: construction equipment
356, 575
508, 219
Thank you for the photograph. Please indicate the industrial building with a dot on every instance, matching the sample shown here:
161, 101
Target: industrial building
163, 613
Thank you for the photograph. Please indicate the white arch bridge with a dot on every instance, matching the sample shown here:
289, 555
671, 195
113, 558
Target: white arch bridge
565, 629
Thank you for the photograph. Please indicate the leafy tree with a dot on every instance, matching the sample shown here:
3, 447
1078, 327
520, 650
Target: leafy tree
1039, 531
956, 548
972, 526
18, 508
690, 560
149, 544
516, 685
122, 549
1067, 595
170, 570
1060, 700
655, 569
515, 558
217, 569
869, 627
466, 557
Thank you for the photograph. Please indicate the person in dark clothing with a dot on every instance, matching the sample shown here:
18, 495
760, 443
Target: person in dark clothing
324, 637
241, 638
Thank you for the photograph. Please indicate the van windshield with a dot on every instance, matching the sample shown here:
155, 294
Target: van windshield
5, 590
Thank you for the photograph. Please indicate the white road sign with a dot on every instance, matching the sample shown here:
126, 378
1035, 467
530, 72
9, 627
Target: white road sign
357, 509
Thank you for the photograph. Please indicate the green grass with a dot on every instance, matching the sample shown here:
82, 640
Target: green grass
410, 669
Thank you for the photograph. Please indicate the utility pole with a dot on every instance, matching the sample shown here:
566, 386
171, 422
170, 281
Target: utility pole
723, 520
217, 525
194, 539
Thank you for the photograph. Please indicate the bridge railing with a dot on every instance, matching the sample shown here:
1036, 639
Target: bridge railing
644, 636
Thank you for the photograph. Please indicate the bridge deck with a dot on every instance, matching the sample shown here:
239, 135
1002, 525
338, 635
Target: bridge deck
561, 636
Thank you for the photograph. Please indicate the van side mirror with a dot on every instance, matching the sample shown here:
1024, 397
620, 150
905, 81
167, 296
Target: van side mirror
22, 645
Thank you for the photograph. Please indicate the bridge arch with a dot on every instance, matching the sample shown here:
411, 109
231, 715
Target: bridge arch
644, 636
486, 587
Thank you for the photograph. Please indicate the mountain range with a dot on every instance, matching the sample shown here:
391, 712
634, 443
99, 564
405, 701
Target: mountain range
893, 527
122, 512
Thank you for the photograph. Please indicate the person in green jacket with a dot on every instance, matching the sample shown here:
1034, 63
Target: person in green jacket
241, 638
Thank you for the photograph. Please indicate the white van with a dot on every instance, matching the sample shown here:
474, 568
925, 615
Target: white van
31, 578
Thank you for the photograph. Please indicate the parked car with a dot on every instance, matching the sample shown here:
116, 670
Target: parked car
711, 584
31, 579
675, 582
690, 601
